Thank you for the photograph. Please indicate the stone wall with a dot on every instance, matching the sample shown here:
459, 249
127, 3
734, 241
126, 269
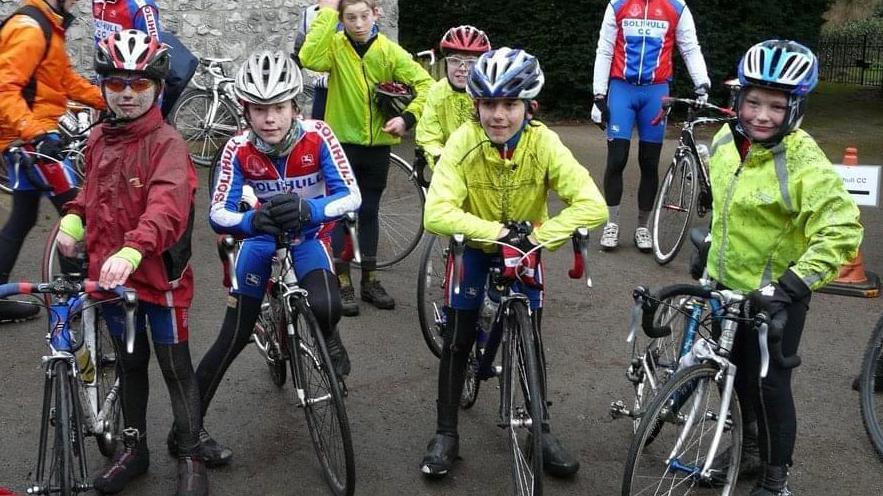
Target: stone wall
215, 28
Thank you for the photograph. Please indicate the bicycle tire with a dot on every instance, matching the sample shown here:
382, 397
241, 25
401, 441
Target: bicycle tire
108, 386
268, 329
524, 410
400, 217
312, 368
676, 201
471, 384
62, 470
189, 116
871, 389
430, 294
690, 390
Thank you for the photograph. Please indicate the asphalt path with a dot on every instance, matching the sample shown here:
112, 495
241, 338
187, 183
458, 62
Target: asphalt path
392, 389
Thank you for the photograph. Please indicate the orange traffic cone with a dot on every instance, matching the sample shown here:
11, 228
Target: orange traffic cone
853, 279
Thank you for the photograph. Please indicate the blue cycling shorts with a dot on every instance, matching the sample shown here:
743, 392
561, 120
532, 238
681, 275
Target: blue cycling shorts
168, 325
473, 279
629, 105
256, 254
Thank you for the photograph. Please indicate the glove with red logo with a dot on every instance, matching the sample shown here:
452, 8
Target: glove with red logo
515, 264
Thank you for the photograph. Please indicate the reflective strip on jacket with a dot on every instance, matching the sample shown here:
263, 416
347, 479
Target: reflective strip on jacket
444, 111
351, 110
782, 207
21, 45
475, 191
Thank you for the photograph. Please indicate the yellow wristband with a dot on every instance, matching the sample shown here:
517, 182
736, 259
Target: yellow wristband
72, 225
130, 255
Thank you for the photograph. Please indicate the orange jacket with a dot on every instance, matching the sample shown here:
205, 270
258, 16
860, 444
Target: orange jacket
21, 46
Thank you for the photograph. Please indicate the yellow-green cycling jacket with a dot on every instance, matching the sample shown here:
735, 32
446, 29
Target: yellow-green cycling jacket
444, 111
781, 207
475, 191
351, 110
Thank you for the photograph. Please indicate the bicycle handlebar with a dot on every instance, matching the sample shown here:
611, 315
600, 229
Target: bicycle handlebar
770, 333
668, 102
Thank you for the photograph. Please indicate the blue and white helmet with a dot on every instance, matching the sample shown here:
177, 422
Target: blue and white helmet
505, 73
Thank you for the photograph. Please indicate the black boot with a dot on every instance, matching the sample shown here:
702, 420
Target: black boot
340, 359
129, 462
440, 454
556, 460
209, 451
750, 464
773, 483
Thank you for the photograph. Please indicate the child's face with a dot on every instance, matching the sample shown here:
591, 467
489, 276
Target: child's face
762, 112
502, 118
458, 65
271, 122
128, 95
358, 19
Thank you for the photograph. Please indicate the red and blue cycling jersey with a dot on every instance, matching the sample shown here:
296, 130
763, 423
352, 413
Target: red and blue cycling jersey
637, 39
316, 169
111, 16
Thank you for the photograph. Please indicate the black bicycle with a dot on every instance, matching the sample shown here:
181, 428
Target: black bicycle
871, 388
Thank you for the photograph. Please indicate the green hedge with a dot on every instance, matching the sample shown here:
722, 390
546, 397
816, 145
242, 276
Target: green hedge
564, 36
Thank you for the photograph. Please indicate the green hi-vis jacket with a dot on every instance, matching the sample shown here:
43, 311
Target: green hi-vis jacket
444, 111
782, 207
351, 110
474, 191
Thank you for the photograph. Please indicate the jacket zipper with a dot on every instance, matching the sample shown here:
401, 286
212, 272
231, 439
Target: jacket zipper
370, 108
731, 188
643, 44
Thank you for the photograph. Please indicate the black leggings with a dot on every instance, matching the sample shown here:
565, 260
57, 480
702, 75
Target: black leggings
23, 218
648, 160
324, 298
770, 401
371, 167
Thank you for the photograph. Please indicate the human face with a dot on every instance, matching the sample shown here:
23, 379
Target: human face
271, 122
129, 96
358, 19
762, 112
458, 65
501, 119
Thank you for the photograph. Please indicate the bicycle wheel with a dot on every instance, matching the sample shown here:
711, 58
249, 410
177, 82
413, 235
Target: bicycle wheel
59, 452
871, 388
401, 214
522, 401
431, 293
190, 117
471, 384
322, 400
674, 206
267, 330
107, 385
692, 403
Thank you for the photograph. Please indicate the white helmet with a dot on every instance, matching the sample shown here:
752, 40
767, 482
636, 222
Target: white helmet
266, 78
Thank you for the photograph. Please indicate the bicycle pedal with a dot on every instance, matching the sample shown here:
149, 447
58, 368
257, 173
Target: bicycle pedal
619, 410
344, 391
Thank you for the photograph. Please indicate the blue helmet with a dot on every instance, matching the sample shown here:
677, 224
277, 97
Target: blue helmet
505, 73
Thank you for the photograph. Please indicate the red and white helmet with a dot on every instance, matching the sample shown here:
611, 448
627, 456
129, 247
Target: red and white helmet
465, 39
132, 51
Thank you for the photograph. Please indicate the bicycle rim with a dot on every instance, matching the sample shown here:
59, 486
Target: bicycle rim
523, 403
431, 294
203, 138
268, 328
871, 389
323, 402
689, 405
674, 207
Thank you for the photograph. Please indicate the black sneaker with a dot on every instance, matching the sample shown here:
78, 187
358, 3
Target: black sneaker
762, 491
441, 452
348, 300
128, 463
340, 359
192, 477
556, 460
17, 311
373, 293
209, 451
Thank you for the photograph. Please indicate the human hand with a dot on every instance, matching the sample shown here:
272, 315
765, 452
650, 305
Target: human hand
777, 296
600, 112
49, 145
115, 272
262, 222
67, 245
289, 211
515, 264
396, 127
702, 93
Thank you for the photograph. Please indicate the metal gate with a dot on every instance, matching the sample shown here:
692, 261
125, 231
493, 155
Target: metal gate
852, 59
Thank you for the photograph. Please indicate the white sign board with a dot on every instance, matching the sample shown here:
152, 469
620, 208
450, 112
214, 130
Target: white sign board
862, 182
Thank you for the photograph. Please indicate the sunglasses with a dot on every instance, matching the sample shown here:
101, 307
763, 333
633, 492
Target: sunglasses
455, 61
118, 84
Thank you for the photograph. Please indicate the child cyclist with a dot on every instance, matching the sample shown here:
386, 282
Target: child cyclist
358, 59
485, 166
447, 104
783, 222
303, 180
135, 213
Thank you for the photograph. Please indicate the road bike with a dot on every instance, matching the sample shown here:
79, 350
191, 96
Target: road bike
871, 388
695, 417
81, 388
685, 187
288, 337
521, 373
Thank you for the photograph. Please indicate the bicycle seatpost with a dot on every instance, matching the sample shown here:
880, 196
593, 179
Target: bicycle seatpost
458, 246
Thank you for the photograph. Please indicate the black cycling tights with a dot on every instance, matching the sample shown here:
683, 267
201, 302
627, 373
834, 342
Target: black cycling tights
25, 207
648, 160
371, 167
324, 298
770, 401
177, 370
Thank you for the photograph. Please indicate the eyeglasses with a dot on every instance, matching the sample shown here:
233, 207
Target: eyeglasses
456, 61
118, 84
